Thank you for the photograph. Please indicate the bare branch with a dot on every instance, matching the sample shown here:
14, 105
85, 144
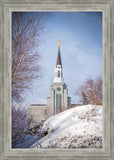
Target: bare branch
27, 29
91, 91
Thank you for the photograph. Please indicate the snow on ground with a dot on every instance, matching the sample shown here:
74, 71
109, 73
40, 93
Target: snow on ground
79, 127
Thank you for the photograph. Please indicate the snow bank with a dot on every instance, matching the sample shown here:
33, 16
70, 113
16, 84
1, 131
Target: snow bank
79, 127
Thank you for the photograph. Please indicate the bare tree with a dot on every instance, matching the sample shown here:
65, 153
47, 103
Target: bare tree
27, 29
84, 99
91, 91
19, 123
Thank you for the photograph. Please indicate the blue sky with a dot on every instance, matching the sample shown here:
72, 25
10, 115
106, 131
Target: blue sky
80, 34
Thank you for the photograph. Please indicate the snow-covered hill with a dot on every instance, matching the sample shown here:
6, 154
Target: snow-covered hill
79, 127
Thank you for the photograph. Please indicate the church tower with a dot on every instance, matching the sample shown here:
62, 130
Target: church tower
58, 77
58, 100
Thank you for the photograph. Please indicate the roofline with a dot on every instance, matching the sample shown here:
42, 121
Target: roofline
38, 104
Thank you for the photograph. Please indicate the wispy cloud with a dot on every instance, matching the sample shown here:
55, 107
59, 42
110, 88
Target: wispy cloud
81, 51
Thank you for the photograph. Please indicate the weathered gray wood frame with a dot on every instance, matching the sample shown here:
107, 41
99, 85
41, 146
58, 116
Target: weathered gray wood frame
107, 7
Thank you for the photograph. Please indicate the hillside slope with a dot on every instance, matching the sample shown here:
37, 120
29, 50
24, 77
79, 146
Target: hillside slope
79, 127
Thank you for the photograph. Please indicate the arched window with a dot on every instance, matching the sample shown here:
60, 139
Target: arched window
58, 103
58, 73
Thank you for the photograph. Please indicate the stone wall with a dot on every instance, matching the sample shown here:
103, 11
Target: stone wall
37, 113
40, 112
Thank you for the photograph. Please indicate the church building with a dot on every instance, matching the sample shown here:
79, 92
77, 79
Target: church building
58, 100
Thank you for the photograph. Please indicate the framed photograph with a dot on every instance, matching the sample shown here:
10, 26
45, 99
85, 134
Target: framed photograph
57, 80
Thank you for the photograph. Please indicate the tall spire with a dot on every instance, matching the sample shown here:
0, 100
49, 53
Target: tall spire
58, 76
59, 62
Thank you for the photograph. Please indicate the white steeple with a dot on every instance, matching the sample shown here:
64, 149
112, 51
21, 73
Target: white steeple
58, 77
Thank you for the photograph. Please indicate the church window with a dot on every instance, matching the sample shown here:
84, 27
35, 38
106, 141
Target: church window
58, 73
58, 102
58, 89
